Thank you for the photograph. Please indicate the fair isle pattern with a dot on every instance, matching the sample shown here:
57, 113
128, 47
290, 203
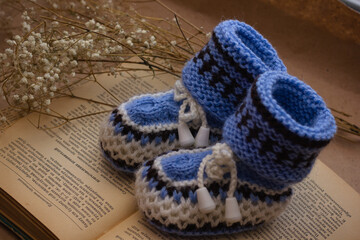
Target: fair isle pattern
172, 205
280, 128
272, 139
127, 144
222, 72
216, 79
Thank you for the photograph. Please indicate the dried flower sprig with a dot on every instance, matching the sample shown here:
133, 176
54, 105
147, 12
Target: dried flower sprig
63, 43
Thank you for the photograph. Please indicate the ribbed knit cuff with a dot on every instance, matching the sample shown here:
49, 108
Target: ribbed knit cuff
280, 128
219, 76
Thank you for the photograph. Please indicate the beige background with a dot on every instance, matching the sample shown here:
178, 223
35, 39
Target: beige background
327, 62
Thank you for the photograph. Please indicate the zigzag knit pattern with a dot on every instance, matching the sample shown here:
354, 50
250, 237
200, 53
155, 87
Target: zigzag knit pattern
143, 128
280, 128
219, 76
165, 189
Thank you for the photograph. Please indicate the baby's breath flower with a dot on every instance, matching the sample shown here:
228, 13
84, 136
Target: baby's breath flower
73, 63
24, 98
9, 52
17, 38
24, 80
10, 42
90, 23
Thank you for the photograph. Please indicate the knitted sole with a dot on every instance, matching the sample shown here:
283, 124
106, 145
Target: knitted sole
206, 230
172, 206
126, 147
118, 164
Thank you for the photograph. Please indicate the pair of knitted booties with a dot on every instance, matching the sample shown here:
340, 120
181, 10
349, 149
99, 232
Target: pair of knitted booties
257, 131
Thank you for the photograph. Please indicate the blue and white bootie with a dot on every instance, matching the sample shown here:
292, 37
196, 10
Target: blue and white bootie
270, 143
213, 84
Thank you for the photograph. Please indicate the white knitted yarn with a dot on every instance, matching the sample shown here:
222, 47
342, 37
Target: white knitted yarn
133, 152
195, 111
217, 164
168, 211
192, 183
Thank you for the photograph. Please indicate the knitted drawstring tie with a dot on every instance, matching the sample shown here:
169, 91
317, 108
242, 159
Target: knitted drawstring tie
190, 110
217, 164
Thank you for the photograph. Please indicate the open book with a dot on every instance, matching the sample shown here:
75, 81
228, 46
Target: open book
56, 185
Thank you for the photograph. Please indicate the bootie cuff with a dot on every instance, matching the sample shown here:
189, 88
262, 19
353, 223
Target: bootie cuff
280, 128
219, 76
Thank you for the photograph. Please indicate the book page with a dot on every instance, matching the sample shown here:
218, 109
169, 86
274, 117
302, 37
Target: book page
59, 175
323, 207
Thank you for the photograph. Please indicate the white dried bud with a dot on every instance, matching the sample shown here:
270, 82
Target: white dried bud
95, 55
31, 39
146, 44
17, 38
11, 42
36, 87
24, 80
73, 63
26, 26
72, 52
117, 26
129, 42
24, 98
3, 56
152, 38
90, 24
44, 46
173, 42
9, 52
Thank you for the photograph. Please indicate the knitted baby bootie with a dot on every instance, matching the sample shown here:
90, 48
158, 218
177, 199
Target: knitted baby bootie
270, 143
213, 83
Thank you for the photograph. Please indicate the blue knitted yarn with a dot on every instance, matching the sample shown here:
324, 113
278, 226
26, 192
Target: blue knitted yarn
151, 110
280, 128
185, 166
219, 76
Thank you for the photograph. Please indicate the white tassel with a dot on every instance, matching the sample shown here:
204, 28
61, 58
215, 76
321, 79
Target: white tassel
205, 202
232, 211
186, 139
202, 137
